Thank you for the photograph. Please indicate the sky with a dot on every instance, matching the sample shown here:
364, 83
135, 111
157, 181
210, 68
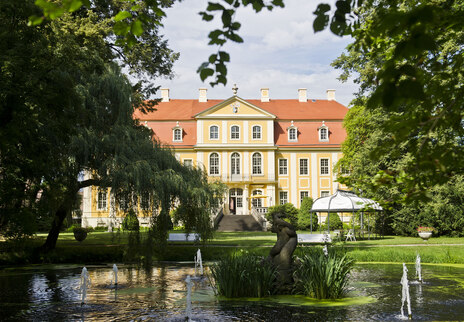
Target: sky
280, 52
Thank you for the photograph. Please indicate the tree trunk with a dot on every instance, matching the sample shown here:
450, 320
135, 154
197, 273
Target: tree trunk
54, 232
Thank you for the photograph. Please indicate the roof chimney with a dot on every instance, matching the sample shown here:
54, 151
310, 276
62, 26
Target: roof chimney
165, 95
331, 95
264, 94
302, 95
202, 98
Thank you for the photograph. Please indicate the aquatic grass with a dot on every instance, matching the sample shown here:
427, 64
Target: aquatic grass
323, 277
243, 275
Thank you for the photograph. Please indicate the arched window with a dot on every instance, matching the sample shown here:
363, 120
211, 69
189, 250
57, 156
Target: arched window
214, 164
256, 132
257, 163
257, 202
235, 163
323, 132
235, 132
214, 132
292, 133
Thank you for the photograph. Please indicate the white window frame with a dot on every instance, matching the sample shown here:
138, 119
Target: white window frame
232, 134
292, 129
177, 134
235, 164
324, 169
258, 133
212, 166
283, 168
303, 194
142, 201
325, 193
102, 203
210, 132
283, 196
301, 168
257, 167
323, 133
257, 203
185, 161
238, 194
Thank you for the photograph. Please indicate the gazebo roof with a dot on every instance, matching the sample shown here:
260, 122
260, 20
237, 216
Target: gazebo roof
344, 201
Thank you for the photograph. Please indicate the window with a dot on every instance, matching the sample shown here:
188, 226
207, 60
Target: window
237, 193
145, 201
325, 193
235, 163
188, 163
123, 203
101, 199
292, 133
324, 166
214, 164
323, 132
304, 167
256, 132
283, 197
214, 132
283, 167
256, 159
235, 132
257, 202
303, 194
177, 135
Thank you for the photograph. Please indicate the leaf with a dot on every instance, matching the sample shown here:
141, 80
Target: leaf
213, 6
122, 15
74, 5
226, 18
35, 20
121, 28
212, 59
137, 28
205, 16
236, 38
205, 73
224, 57
322, 19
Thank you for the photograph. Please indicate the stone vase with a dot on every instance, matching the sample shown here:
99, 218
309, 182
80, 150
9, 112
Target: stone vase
425, 235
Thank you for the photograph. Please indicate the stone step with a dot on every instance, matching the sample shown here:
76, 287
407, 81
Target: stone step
239, 223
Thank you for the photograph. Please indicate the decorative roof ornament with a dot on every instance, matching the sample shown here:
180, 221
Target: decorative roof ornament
235, 89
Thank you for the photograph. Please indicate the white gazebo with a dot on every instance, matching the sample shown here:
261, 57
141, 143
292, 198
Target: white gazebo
344, 201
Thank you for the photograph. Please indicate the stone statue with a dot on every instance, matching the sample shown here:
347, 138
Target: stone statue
282, 252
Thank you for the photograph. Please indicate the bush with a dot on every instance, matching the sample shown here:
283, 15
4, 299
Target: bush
80, 233
290, 211
131, 222
101, 228
323, 277
243, 275
304, 216
335, 222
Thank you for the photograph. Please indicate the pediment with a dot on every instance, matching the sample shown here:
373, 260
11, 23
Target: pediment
235, 107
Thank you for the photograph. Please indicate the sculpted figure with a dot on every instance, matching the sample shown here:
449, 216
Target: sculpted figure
281, 254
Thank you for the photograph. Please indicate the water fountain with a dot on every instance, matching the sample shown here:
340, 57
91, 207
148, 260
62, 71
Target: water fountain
418, 268
85, 283
115, 275
198, 263
405, 293
188, 307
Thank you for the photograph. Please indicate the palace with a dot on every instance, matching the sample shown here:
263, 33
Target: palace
267, 151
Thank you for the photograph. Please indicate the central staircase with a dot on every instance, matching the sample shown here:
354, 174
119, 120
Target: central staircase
239, 223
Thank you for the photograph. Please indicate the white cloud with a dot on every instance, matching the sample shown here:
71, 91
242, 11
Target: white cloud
280, 51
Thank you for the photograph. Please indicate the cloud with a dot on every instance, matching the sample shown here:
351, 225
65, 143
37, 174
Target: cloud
280, 51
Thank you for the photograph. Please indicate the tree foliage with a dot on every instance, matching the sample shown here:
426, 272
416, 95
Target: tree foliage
288, 209
305, 221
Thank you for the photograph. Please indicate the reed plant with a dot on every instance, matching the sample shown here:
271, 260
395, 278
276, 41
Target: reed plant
243, 275
323, 276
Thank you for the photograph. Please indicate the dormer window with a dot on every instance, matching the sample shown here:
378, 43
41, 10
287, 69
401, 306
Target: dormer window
323, 133
177, 133
292, 133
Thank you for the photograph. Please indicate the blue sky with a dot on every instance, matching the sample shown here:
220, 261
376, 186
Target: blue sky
280, 52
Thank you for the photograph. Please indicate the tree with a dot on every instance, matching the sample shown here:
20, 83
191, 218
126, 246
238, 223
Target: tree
307, 219
288, 209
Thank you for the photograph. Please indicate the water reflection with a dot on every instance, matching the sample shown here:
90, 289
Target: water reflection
158, 293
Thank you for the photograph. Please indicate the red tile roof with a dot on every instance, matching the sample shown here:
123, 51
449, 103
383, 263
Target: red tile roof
283, 109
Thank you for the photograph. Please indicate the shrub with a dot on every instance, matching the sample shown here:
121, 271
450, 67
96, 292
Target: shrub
243, 275
80, 233
290, 211
304, 216
335, 222
130, 221
323, 277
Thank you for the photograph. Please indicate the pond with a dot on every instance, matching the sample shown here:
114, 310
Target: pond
158, 294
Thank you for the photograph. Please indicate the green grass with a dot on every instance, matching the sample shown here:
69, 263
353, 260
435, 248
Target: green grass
101, 247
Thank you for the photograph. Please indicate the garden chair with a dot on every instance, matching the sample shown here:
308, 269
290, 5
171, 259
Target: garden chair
350, 235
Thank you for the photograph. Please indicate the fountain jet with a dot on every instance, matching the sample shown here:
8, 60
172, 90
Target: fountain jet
405, 293
188, 309
115, 275
85, 283
198, 263
418, 268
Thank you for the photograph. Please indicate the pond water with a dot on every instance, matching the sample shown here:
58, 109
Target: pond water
42, 293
